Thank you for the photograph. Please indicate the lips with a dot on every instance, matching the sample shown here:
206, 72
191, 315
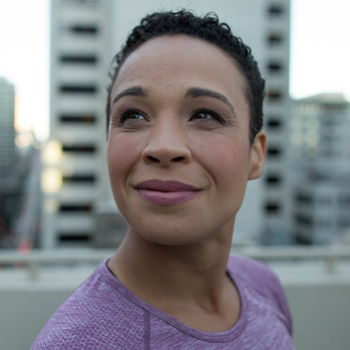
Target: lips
166, 192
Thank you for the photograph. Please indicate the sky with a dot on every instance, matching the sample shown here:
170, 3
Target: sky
320, 53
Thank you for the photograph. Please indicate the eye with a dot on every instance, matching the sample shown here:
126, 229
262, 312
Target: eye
131, 115
207, 115
203, 115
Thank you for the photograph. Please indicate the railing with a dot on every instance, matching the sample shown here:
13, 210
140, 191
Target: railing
328, 254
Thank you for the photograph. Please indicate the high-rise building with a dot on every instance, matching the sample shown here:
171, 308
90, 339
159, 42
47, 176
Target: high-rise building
75, 173
9, 180
321, 210
7, 127
85, 34
320, 136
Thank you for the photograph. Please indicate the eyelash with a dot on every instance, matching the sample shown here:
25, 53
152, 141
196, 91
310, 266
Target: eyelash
129, 111
209, 111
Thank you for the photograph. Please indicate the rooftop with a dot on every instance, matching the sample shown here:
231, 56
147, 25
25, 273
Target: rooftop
316, 281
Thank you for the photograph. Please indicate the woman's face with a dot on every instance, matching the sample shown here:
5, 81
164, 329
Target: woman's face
179, 155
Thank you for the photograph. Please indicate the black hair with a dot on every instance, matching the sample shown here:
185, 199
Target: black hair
208, 29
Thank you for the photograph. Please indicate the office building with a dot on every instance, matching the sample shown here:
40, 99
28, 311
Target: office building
7, 127
320, 134
321, 211
74, 177
320, 138
9, 180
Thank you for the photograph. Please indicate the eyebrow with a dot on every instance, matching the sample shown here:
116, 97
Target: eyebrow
198, 92
190, 93
133, 91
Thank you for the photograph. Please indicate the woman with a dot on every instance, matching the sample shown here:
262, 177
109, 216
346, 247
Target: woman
184, 136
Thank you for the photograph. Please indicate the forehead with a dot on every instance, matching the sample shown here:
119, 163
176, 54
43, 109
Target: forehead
181, 62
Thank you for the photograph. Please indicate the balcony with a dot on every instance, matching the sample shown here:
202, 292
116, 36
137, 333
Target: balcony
316, 281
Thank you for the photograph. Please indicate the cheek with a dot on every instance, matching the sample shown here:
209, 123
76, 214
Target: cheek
122, 153
226, 159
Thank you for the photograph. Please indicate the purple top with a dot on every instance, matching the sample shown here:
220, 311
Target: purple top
103, 314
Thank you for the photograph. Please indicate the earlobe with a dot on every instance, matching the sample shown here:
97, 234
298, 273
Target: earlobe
257, 156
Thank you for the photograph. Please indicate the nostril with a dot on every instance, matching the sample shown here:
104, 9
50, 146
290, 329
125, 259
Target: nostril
178, 159
153, 159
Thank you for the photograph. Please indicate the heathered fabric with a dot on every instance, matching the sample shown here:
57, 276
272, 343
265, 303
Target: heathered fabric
102, 314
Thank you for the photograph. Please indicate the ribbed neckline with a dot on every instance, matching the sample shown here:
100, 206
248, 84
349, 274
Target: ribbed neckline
230, 334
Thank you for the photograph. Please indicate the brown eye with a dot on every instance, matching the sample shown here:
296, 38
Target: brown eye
203, 115
135, 116
207, 115
132, 115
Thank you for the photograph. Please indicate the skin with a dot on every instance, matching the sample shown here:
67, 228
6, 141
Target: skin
174, 256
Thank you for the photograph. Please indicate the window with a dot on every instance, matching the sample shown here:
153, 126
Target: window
88, 2
272, 208
78, 59
90, 89
327, 138
74, 237
272, 180
79, 148
274, 95
274, 124
275, 10
79, 179
273, 151
301, 239
344, 223
274, 67
304, 198
274, 39
74, 208
77, 119
328, 123
303, 219
344, 200
84, 29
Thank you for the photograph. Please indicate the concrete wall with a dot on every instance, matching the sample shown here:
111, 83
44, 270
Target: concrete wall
24, 313
321, 314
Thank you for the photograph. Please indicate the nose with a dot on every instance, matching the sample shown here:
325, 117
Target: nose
167, 144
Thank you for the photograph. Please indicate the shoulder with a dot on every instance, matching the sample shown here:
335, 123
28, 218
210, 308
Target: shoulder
263, 280
259, 275
93, 317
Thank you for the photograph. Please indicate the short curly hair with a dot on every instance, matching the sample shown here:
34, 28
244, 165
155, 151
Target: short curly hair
207, 28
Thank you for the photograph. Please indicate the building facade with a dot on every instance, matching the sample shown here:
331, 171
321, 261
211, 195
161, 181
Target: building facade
321, 211
320, 134
7, 127
75, 168
320, 138
10, 177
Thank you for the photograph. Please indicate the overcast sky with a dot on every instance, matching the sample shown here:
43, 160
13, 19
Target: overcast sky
320, 53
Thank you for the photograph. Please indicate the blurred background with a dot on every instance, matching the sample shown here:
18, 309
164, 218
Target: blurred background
57, 215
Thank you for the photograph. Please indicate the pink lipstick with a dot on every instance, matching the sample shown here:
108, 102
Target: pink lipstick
166, 192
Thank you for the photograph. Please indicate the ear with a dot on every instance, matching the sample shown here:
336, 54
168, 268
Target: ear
257, 156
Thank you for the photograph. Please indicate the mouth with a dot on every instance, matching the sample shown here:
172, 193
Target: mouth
166, 192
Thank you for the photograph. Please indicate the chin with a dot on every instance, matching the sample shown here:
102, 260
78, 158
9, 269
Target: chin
165, 234
170, 238
179, 233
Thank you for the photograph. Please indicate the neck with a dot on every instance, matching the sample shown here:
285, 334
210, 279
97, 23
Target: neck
193, 275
